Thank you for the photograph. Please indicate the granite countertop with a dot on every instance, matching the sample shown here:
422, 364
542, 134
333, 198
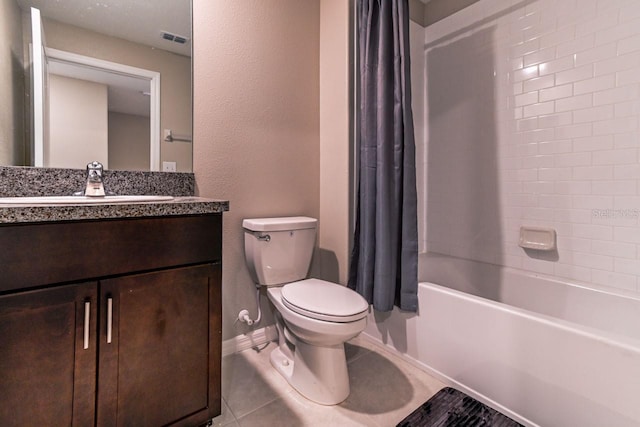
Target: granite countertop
183, 205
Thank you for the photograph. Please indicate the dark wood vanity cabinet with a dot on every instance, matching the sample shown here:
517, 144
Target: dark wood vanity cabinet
136, 344
154, 369
47, 376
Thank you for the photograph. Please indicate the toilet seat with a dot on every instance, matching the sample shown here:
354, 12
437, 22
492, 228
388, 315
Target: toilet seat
323, 300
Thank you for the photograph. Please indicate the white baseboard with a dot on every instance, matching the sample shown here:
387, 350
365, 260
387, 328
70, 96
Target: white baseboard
249, 340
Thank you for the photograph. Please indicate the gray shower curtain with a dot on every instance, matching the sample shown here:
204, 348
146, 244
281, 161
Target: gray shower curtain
384, 261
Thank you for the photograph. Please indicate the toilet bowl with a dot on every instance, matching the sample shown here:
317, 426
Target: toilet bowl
314, 317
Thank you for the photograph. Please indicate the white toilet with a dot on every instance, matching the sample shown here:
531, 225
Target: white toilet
318, 316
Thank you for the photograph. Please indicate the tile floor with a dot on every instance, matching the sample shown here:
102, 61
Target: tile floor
384, 390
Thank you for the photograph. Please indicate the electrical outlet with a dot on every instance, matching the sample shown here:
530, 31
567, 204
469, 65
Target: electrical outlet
168, 166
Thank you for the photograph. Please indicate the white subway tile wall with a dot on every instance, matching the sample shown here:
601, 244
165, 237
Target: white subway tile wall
529, 114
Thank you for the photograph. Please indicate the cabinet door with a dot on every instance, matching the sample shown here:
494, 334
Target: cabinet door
48, 357
159, 365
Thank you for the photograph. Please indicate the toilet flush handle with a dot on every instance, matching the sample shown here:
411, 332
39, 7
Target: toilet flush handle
265, 238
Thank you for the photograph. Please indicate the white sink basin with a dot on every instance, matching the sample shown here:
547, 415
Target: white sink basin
80, 200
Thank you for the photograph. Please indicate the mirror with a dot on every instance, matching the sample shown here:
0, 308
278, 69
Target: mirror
133, 39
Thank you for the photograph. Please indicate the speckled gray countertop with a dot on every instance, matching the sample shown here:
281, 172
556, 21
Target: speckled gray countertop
34, 182
189, 205
21, 181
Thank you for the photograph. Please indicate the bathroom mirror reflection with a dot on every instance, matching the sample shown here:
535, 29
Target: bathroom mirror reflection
127, 61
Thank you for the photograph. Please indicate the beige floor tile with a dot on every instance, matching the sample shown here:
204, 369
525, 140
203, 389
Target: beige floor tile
296, 411
386, 388
259, 356
273, 377
248, 382
364, 342
226, 418
334, 415
277, 413
356, 348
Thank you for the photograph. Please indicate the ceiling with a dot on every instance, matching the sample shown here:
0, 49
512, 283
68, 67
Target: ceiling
141, 21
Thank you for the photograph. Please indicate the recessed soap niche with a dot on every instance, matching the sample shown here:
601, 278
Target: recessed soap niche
538, 238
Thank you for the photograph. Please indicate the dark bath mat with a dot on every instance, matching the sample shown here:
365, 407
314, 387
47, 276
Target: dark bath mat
452, 408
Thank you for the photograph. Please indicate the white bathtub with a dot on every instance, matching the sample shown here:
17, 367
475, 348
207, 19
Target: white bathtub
543, 351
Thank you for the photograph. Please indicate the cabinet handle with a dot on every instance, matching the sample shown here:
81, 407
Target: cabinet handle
87, 314
109, 319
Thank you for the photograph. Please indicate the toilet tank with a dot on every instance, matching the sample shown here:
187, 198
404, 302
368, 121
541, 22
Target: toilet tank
279, 250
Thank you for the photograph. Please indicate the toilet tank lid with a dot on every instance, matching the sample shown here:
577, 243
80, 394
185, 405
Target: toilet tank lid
279, 224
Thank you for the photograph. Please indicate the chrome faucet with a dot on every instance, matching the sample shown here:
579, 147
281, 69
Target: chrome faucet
95, 184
